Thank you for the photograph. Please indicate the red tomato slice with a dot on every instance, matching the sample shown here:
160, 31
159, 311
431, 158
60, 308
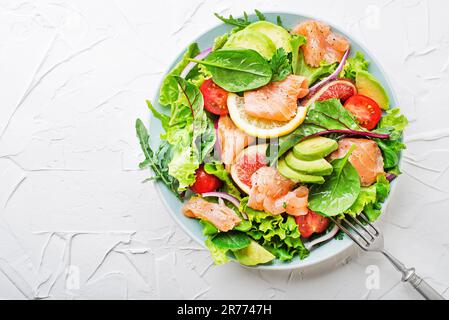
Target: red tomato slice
215, 98
365, 109
205, 182
311, 223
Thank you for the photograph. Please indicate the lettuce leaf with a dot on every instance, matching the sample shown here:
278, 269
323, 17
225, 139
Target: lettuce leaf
278, 234
312, 74
191, 133
366, 196
168, 92
393, 123
218, 170
218, 255
370, 199
353, 65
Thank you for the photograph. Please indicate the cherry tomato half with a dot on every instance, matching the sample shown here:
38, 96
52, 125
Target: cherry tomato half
311, 223
365, 109
215, 98
205, 182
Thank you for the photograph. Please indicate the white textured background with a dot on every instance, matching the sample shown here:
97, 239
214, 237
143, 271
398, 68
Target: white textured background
76, 221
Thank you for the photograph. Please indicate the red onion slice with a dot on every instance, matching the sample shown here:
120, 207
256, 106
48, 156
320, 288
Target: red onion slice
226, 196
323, 238
334, 74
391, 176
350, 132
203, 54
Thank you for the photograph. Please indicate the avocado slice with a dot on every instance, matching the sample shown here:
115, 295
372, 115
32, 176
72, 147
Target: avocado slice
297, 176
253, 254
314, 148
277, 34
369, 86
249, 39
318, 167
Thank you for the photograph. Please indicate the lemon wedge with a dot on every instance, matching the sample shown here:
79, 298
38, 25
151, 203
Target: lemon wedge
261, 128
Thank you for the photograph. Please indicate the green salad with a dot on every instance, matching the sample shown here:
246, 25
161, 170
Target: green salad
271, 132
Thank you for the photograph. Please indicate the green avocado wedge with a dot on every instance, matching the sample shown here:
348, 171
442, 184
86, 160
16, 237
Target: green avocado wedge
296, 176
277, 34
250, 39
253, 254
314, 148
318, 167
369, 86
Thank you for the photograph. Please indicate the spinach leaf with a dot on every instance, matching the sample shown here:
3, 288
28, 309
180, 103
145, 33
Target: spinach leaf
208, 228
237, 70
232, 240
168, 92
340, 190
158, 161
280, 65
322, 116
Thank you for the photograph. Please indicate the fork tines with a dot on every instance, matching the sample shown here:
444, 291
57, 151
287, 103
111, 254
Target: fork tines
362, 234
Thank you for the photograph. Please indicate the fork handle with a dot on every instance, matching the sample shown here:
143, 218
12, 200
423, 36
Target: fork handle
409, 275
424, 288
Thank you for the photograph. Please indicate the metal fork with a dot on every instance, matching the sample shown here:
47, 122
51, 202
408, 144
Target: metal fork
368, 237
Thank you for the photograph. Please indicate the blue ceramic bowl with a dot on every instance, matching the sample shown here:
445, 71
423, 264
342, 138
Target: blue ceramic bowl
191, 226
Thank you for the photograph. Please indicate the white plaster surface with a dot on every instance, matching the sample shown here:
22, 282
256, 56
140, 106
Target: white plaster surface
77, 223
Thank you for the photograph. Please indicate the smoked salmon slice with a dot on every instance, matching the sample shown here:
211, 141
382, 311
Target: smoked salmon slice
270, 192
231, 139
278, 100
218, 214
366, 158
322, 44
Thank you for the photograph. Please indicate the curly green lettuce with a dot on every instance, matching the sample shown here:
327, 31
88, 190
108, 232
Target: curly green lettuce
354, 65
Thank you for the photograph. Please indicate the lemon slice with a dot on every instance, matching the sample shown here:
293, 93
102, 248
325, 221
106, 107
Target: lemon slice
261, 128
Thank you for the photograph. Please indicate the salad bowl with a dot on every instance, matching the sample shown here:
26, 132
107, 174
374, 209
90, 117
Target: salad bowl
318, 254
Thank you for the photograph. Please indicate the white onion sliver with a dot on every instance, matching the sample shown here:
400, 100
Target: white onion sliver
226, 196
203, 54
334, 74
323, 238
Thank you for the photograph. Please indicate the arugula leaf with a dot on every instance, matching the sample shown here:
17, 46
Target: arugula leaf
280, 65
279, 22
312, 74
158, 161
354, 65
218, 170
168, 92
237, 70
237, 22
231, 240
339, 191
260, 15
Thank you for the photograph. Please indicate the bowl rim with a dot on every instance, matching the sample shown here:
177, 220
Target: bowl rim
349, 243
